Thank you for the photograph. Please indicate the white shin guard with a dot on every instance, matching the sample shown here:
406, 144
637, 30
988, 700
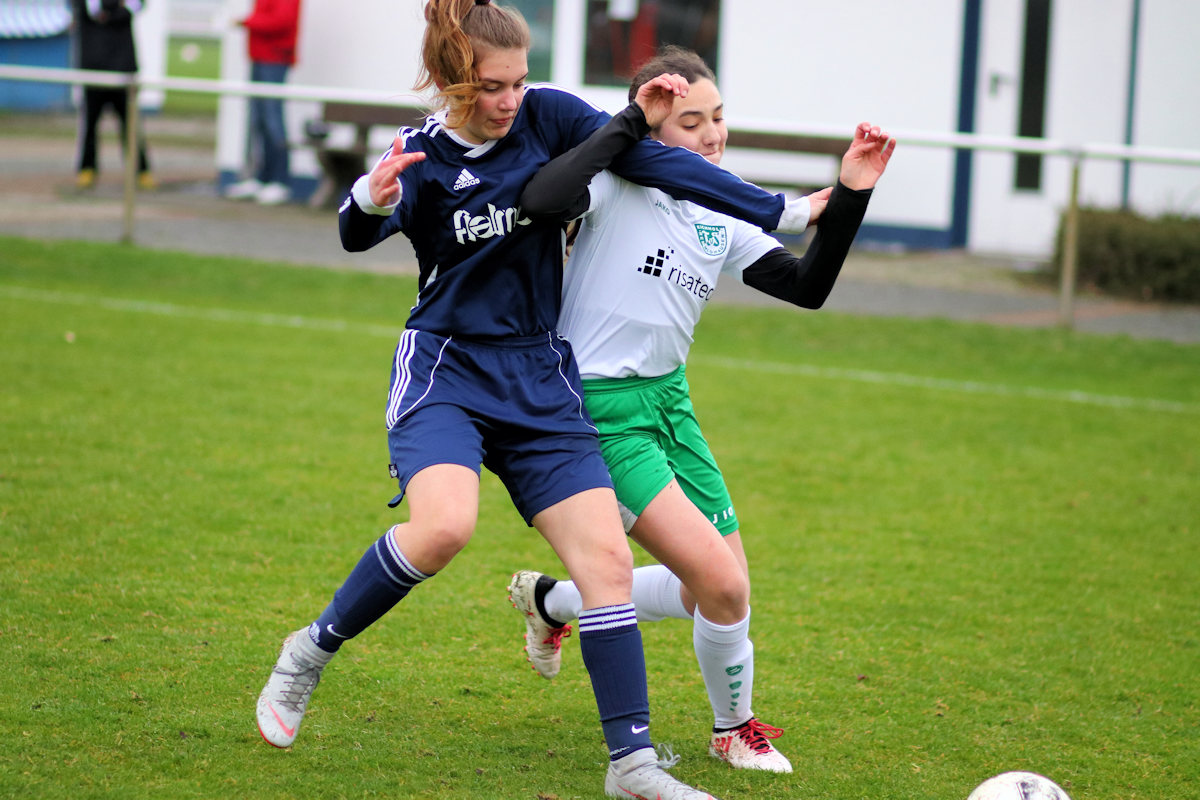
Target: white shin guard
655, 596
726, 657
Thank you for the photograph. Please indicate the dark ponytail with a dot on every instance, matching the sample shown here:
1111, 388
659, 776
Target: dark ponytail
671, 59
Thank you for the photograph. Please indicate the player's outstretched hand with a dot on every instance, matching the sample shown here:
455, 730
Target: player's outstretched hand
657, 96
383, 180
867, 157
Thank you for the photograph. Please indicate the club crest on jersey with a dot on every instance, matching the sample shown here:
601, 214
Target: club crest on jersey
713, 239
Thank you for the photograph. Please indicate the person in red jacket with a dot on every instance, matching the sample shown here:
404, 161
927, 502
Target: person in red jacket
271, 29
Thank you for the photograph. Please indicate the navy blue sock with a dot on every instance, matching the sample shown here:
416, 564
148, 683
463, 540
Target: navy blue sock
612, 652
381, 579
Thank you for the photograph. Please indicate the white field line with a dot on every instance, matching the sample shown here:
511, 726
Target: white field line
199, 312
803, 370
947, 385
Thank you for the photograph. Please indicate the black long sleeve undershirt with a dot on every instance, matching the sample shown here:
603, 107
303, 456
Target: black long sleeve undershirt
559, 191
807, 281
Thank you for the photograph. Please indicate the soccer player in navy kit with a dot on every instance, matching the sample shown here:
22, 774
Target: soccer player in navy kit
640, 274
481, 376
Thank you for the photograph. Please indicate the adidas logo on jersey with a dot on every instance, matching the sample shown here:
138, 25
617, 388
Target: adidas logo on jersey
465, 179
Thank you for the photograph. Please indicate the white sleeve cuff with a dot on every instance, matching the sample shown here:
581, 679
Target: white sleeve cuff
794, 218
362, 196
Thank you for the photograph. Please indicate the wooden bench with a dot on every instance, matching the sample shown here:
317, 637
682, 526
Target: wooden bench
342, 165
789, 143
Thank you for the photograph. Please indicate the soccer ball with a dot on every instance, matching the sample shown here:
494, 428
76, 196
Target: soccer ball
1018, 786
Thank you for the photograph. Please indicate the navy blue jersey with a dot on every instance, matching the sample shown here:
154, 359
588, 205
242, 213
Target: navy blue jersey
487, 270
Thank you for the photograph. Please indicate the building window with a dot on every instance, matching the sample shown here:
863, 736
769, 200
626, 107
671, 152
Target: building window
540, 16
1032, 114
622, 35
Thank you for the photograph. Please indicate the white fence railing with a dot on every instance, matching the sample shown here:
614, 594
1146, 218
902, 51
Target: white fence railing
1076, 153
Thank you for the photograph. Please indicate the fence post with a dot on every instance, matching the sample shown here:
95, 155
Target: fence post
1070, 254
134, 123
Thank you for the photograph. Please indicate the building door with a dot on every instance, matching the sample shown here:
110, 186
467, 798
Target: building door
1011, 208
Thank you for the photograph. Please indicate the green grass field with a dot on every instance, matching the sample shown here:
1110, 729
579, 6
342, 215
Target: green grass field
974, 550
192, 57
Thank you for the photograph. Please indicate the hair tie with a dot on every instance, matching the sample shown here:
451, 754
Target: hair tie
482, 2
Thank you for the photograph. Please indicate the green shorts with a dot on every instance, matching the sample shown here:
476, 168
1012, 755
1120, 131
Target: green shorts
649, 435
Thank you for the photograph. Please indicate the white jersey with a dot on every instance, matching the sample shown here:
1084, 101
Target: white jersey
642, 270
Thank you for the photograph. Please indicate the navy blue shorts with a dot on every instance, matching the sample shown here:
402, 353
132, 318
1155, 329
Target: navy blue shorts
515, 406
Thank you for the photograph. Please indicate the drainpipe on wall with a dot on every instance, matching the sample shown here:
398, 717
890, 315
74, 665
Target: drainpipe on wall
968, 85
1130, 97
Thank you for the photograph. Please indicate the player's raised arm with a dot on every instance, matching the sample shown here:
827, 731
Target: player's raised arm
862, 164
384, 180
808, 280
867, 157
369, 215
559, 190
656, 97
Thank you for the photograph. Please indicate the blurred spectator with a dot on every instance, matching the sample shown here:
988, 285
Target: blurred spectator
104, 30
622, 35
271, 32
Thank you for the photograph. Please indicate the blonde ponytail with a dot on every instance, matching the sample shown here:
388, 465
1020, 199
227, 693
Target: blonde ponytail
455, 30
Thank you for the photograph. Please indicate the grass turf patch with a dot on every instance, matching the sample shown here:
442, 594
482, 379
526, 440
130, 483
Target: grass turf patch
193, 57
966, 558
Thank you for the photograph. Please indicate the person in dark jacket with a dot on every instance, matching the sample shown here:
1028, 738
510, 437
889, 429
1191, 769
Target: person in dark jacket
104, 35
271, 28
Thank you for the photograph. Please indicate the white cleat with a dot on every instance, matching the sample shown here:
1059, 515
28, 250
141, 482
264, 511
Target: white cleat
543, 642
748, 746
273, 194
641, 776
284, 699
244, 190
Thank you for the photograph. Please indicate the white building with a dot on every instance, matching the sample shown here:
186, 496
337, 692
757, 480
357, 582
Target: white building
1073, 71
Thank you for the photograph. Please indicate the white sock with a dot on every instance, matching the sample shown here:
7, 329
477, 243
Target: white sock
563, 602
656, 594
726, 657
309, 650
655, 597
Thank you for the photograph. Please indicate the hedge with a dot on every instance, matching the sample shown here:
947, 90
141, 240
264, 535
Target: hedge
1126, 254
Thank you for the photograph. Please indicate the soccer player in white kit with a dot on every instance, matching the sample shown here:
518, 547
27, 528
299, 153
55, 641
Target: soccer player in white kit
642, 270
481, 377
